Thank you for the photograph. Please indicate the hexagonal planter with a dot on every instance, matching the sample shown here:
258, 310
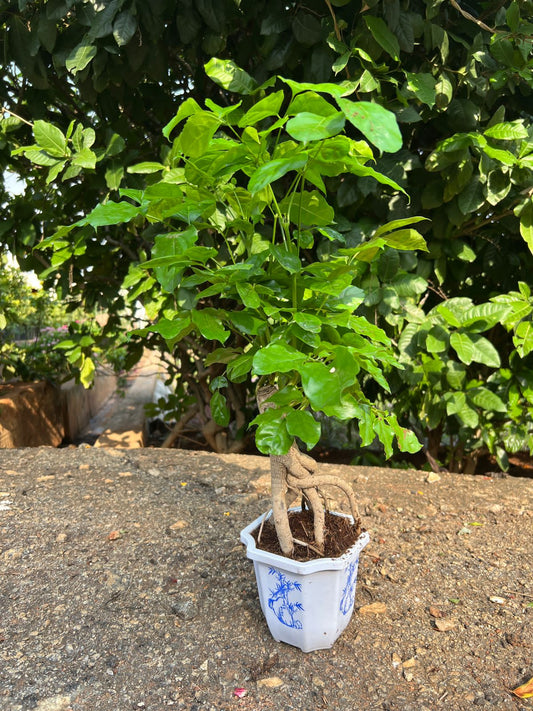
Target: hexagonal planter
306, 604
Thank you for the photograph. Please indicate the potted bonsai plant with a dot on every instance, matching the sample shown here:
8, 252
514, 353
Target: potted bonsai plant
254, 271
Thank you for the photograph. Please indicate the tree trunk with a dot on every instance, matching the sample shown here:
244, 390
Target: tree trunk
294, 475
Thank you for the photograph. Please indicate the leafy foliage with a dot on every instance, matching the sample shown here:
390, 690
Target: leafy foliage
239, 269
459, 84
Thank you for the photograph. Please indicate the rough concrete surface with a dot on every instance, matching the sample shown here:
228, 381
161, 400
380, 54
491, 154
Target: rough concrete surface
123, 586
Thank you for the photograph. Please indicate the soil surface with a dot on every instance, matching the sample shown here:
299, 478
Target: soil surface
123, 586
339, 535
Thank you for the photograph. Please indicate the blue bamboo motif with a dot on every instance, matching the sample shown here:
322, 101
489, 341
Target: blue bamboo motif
280, 603
348, 593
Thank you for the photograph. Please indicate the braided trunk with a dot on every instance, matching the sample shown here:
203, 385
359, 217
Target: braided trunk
293, 475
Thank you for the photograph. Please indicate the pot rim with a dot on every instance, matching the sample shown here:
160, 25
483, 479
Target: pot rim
296, 566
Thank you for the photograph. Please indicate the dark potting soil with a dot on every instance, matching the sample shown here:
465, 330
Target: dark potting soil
340, 534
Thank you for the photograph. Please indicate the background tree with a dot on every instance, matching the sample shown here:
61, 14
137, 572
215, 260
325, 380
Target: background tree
459, 80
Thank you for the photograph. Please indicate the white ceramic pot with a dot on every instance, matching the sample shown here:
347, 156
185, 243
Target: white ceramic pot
306, 604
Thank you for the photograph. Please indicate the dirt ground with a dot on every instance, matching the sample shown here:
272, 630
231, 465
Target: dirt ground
123, 586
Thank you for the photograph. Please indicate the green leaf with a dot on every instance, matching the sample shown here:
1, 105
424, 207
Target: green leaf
146, 168
456, 405
50, 139
246, 322
248, 295
484, 316
444, 90
219, 409
309, 322
80, 56
337, 90
321, 386
209, 325
423, 87
197, 133
383, 36
455, 374
302, 424
277, 357
407, 441
486, 400
409, 284
366, 426
40, 157
307, 29
54, 171
218, 382
526, 224
289, 395
311, 102
87, 372
271, 436
306, 126
269, 106
124, 28
512, 16
396, 224
339, 64
437, 340
166, 254
228, 75
473, 347
287, 259
463, 346
110, 213
502, 156
308, 209
238, 369
275, 169
172, 330
376, 123
346, 366
221, 355
523, 338
448, 315
405, 239
471, 197
85, 159
189, 107
507, 131
385, 435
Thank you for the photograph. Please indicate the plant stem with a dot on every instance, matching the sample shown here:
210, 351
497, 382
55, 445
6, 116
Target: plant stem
12, 113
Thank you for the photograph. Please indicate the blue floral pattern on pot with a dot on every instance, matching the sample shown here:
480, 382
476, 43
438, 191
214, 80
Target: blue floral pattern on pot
348, 593
280, 602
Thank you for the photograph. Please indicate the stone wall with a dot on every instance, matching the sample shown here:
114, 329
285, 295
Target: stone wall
31, 414
36, 414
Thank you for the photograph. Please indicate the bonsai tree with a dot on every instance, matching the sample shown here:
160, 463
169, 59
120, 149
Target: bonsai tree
252, 273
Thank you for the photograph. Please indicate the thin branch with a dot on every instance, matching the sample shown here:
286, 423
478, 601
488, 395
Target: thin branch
12, 113
470, 17
335, 25
481, 24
